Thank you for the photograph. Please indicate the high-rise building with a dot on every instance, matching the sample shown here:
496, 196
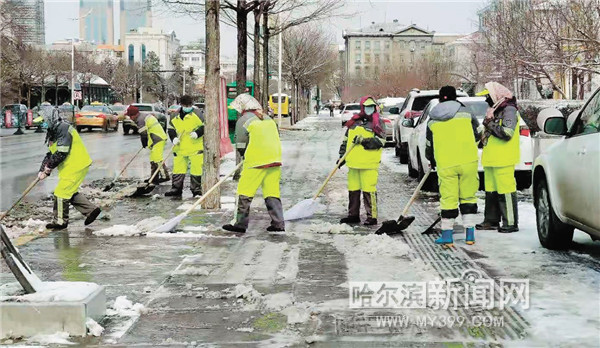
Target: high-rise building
134, 14
97, 23
31, 21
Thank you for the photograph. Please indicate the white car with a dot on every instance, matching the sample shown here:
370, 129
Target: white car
390, 112
412, 108
349, 110
566, 184
417, 163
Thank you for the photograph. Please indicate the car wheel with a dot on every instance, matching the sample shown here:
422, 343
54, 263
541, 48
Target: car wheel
430, 184
552, 233
403, 153
89, 129
412, 172
105, 127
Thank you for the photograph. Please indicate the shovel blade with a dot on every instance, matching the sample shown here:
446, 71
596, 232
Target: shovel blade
301, 210
169, 226
404, 222
143, 190
393, 226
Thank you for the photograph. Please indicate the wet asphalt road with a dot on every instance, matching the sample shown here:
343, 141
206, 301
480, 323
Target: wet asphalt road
21, 156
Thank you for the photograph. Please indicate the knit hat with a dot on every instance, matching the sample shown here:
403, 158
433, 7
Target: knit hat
447, 93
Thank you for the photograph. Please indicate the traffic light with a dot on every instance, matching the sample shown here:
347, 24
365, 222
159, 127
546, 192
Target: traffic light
191, 70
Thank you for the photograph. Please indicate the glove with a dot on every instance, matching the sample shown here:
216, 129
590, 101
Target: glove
175, 141
44, 174
193, 135
487, 121
357, 139
340, 164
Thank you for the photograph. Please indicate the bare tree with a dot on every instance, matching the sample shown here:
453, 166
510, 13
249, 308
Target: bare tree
212, 156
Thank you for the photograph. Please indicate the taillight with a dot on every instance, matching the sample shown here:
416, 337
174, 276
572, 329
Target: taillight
77, 115
101, 116
524, 131
386, 120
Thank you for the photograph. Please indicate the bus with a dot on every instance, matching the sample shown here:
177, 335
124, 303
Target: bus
232, 93
285, 104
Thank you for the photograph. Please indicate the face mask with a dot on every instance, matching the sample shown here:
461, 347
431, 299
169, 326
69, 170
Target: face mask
369, 110
187, 110
489, 101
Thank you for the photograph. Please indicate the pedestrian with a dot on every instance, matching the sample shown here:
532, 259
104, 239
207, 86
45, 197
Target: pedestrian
257, 141
451, 146
330, 110
152, 136
67, 153
186, 131
366, 130
501, 153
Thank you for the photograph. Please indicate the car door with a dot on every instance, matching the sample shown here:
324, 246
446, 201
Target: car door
415, 136
582, 166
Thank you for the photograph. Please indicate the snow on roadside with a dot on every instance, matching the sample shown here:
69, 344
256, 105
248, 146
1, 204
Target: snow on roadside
125, 308
49, 292
94, 329
324, 227
56, 338
29, 227
389, 160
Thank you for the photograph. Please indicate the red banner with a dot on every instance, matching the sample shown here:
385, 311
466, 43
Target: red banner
8, 119
225, 145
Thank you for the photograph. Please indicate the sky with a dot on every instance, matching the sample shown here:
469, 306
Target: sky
440, 15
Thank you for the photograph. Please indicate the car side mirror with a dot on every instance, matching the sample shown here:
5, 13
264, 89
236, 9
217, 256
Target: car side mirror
408, 122
395, 111
555, 125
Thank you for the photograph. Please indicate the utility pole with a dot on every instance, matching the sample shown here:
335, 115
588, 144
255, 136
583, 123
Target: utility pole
212, 139
183, 82
279, 80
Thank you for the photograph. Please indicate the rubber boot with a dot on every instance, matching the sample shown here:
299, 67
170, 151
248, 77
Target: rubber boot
85, 207
469, 224
470, 238
242, 217
163, 175
196, 185
447, 229
491, 219
510, 213
176, 186
353, 208
275, 209
60, 219
153, 168
370, 201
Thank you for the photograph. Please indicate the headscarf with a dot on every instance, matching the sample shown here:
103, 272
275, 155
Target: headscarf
52, 118
374, 118
245, 102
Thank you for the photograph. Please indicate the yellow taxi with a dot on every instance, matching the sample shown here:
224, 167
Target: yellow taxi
96, 115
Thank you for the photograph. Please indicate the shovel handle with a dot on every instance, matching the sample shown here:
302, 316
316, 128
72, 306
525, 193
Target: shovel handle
127, 165
201, 199
414, 195
337, 166
29, 188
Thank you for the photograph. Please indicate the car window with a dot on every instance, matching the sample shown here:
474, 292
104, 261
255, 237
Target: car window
353, 107
477, 108
589, 120
144, 107
118, 107
421, 102
424, 114
92, 108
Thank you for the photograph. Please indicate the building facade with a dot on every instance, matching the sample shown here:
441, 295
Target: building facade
134, 14
31, 21
141, 41
97, 21
195, 59
372, 49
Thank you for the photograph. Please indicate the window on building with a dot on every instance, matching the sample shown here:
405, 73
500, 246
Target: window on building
367, 58
143, 53
357, 58
367, 45
377, 58
131, 56
376, 46
357, 45
195, 59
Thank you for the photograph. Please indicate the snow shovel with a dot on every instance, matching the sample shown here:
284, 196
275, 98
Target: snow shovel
309, 206
149, 187
431, 229
397, 226
20, 198
171, 224
112, 184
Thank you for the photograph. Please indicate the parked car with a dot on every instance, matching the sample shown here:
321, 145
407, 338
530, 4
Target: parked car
120, 110
67, 112
389, 115
413, 107
417, 163
96, 115
565, 176
19, 114
130, 125
349, 110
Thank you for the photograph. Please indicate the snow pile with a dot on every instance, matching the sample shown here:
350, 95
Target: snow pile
327, 227
224, 206
198, 271
195, 228
93, 327
125, 308
49, 292
132, 230
31, 226
247, 292
56, 338
278, 301
372, 244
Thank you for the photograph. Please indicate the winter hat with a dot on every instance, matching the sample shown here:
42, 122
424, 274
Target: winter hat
447, 93
132, 111
245, 102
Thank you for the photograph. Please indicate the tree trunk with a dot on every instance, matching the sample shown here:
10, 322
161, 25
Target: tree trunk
242, 49
266, 37
257, 57
212, 155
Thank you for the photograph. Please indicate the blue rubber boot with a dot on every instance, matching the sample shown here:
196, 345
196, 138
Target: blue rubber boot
446, 238
470, 240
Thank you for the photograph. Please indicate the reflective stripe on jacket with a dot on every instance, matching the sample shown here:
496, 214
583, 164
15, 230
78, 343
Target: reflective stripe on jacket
183, 127
451, 135
361, 157
503, 148
68, 141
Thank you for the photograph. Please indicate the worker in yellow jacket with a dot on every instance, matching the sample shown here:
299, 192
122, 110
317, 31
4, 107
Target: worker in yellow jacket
186, 131
451, 146
501, 152
67, 153
257, 141
152, 136
366, 130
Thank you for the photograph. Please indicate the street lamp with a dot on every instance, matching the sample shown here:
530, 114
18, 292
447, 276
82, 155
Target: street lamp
73, 60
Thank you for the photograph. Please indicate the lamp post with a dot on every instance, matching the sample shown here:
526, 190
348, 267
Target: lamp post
73, 60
